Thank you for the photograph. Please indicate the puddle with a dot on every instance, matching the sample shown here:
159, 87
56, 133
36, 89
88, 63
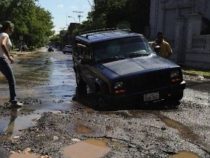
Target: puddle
24, 155
82, 129
27, 154
48, 77
87, 149
12, 125
185, 154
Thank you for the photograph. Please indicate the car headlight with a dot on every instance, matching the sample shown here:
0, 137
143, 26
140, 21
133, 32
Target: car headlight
175, 76
118, 85
119, 88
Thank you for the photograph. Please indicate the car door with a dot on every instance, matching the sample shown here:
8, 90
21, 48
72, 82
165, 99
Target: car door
86, 65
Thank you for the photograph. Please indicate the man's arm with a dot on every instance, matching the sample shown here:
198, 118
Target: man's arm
169, 50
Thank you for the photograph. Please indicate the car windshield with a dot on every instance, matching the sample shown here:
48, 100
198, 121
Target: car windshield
120, 49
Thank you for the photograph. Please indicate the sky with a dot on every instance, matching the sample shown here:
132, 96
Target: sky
66, 11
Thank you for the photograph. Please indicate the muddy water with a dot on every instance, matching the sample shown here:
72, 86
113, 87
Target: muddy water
185, 154
89, 148
42, 85
22, 155
12, 126
27, 154
82, 129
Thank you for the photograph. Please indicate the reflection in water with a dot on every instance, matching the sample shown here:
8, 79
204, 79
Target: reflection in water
8, 132
11, 125
90, 149
33, 69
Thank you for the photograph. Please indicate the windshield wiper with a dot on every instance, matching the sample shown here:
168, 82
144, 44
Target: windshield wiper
114, 58
137, 54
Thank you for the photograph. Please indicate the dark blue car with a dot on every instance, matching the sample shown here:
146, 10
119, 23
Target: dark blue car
119, 65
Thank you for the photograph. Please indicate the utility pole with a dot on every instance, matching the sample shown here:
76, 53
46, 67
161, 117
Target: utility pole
79, 14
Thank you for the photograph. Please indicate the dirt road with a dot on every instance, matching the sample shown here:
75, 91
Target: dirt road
52, 125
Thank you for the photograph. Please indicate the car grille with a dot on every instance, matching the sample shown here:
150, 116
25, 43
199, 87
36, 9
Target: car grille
147, 82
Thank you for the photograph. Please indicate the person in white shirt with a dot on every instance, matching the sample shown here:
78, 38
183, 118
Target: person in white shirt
5, 45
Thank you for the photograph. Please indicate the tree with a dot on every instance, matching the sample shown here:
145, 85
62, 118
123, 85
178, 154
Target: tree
32, 22
119, 13
138, 13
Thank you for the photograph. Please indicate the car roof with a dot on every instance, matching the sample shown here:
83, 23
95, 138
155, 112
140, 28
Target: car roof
98, 36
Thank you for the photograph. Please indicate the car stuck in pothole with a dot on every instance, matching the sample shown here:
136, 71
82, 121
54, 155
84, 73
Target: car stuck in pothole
119, 65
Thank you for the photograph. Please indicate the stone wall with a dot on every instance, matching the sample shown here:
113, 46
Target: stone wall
181, 23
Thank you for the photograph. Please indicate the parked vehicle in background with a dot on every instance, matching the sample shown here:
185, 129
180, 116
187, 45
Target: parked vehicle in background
50, 49
67, 49
119, 65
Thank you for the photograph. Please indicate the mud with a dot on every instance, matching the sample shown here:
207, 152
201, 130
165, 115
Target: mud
184, 154
90, 149
53, 125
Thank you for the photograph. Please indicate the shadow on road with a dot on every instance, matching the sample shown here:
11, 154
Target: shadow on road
160, 105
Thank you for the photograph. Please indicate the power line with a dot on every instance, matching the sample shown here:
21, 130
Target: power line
79, 14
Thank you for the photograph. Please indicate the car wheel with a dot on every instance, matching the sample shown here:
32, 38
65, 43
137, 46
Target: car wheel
81, 89
101, 102
176, 97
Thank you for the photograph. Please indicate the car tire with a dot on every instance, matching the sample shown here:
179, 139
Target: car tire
102, 102
176, 97
81, 90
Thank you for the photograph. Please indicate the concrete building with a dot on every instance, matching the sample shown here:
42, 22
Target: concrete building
186, 25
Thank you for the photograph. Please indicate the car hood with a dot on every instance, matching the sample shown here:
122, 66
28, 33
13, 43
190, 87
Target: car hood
135, 66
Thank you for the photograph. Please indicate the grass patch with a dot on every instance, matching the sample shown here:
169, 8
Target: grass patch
205, 73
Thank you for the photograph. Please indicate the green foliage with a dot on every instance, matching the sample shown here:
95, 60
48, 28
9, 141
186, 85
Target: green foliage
32, 23
119, 13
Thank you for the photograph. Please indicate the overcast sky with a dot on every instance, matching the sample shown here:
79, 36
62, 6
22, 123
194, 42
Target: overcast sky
65, 11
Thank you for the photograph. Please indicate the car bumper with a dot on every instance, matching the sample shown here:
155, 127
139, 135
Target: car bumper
158, 94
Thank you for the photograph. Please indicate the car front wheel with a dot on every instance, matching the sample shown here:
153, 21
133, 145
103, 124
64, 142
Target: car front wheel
81, 89
176, 97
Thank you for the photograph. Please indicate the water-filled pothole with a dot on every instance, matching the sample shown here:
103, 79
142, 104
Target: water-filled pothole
185, 154
87, 149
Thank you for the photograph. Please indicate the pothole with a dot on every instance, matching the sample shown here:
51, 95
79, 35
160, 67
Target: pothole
27, 154
185, 154
82, 129
87, 149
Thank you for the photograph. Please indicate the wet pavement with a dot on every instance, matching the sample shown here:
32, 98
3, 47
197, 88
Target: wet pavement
46, 84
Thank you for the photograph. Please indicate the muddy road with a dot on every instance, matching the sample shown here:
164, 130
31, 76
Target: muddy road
50, 124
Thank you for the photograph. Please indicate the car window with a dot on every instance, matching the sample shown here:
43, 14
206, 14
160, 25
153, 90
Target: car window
121, 48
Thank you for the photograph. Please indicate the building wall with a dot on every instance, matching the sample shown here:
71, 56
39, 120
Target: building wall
181, 23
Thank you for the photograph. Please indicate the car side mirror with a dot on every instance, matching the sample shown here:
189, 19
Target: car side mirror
157, 49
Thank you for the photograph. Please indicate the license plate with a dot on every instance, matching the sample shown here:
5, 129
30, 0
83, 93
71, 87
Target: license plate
151, 96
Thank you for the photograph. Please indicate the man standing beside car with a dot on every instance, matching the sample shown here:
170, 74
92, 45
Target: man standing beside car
161, 47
